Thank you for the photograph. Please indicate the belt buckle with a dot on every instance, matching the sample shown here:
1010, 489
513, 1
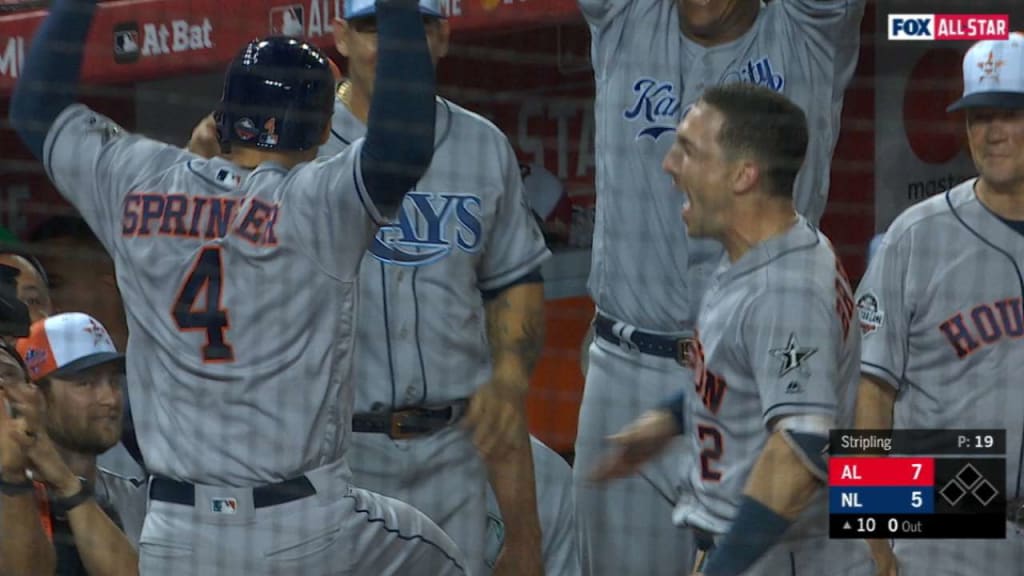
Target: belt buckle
399, 421
684, 352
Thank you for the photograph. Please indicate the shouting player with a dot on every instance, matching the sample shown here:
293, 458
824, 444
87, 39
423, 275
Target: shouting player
940, 309
652, 60
239, 281
776, 353
451, 308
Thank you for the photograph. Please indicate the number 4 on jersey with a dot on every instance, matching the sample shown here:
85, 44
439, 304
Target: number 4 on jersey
205, 279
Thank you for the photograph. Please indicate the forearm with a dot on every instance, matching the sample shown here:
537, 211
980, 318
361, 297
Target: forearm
24, 548
513, 480
103, 547
779, 487
515, 333
49, 81
875, 402
400, 126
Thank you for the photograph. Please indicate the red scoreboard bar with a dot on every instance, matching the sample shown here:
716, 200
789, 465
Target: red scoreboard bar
881, 471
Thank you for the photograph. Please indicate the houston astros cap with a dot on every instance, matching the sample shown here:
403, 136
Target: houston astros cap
994, 75
363, 8
66, 344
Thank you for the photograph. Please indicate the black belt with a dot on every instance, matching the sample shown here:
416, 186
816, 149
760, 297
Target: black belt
644, 342
176, 492
410, 422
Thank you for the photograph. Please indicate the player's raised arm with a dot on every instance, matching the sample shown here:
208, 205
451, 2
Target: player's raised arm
49, 80
597, 12
399, 142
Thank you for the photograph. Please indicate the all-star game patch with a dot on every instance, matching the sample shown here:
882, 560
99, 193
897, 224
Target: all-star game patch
869, 313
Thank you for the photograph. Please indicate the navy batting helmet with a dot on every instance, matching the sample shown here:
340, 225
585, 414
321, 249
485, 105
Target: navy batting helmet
278, 95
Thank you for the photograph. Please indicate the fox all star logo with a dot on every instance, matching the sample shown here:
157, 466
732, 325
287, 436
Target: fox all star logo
429, 227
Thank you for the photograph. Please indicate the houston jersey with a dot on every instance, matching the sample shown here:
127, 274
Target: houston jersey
239, 288
776, 337
648, 75
466, 228
940, 309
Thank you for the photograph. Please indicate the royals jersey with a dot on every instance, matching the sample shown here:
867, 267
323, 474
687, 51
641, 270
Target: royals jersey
465, 229
940, 310
239, 288
648, 75
776, 338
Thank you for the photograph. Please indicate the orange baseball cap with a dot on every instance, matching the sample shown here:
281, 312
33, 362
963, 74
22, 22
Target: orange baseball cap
66, 344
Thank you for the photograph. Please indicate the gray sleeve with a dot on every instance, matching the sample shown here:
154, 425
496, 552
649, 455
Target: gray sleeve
831, 28
514, 244
883, 311
598, 12
791, 337
94, 163
327, 208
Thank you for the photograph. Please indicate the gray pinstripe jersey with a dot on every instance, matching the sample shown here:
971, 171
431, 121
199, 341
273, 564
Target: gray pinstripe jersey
648, 75
776, 338
940, 309
421, 335
240, 295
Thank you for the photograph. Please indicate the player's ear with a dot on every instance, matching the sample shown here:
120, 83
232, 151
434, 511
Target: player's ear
444, 34
746, 175
340, 32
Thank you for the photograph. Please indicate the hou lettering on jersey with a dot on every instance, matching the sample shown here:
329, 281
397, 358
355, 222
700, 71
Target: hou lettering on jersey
985, 324
972, 27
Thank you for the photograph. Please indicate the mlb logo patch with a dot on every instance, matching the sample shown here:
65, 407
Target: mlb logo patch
288, 21
224, 505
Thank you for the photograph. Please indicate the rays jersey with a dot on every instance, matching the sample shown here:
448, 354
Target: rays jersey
648, 75
776, 337
466, 228
239, 288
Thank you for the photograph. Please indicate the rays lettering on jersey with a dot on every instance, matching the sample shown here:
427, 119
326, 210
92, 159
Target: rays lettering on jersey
757, 71
984, 325
198, 217
429, 226
656, 105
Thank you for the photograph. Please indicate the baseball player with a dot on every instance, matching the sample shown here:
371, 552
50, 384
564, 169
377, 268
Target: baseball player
451, 308
554, 507
776, 353
238, 276
940, 309
652, 60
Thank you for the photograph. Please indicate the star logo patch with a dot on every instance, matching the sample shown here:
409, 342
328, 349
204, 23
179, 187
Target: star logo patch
792, 356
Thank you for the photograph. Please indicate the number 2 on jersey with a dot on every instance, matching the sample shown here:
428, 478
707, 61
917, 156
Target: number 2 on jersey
710, 454
205, 279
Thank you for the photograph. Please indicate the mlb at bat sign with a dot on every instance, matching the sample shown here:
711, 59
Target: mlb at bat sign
920, 149
151, 39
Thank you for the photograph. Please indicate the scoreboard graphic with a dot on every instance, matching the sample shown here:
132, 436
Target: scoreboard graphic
917, 484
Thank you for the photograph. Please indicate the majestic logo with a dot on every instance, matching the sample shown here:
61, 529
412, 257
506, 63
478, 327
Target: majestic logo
430, 225
657, 105
792, 355
870, 315
757, 71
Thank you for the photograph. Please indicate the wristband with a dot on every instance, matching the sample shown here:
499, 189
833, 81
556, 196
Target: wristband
755, 529
61, 506
15, 489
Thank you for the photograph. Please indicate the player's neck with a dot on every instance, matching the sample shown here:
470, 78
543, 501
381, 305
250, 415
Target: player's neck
756, 222
1005, 201
251, 158
355, 99
732, 27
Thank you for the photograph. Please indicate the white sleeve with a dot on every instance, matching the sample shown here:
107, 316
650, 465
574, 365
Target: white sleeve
326, 206
94, 163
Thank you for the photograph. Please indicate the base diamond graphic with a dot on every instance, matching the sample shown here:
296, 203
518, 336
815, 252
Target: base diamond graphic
952, 492
985, 492
968, 476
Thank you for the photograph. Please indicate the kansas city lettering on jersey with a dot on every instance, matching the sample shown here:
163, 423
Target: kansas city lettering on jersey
757, 71
984, 325
657, 105
198, 217
429, 226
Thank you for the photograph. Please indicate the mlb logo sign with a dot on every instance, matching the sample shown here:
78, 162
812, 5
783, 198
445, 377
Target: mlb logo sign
973, 27
126, 42
288, 21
